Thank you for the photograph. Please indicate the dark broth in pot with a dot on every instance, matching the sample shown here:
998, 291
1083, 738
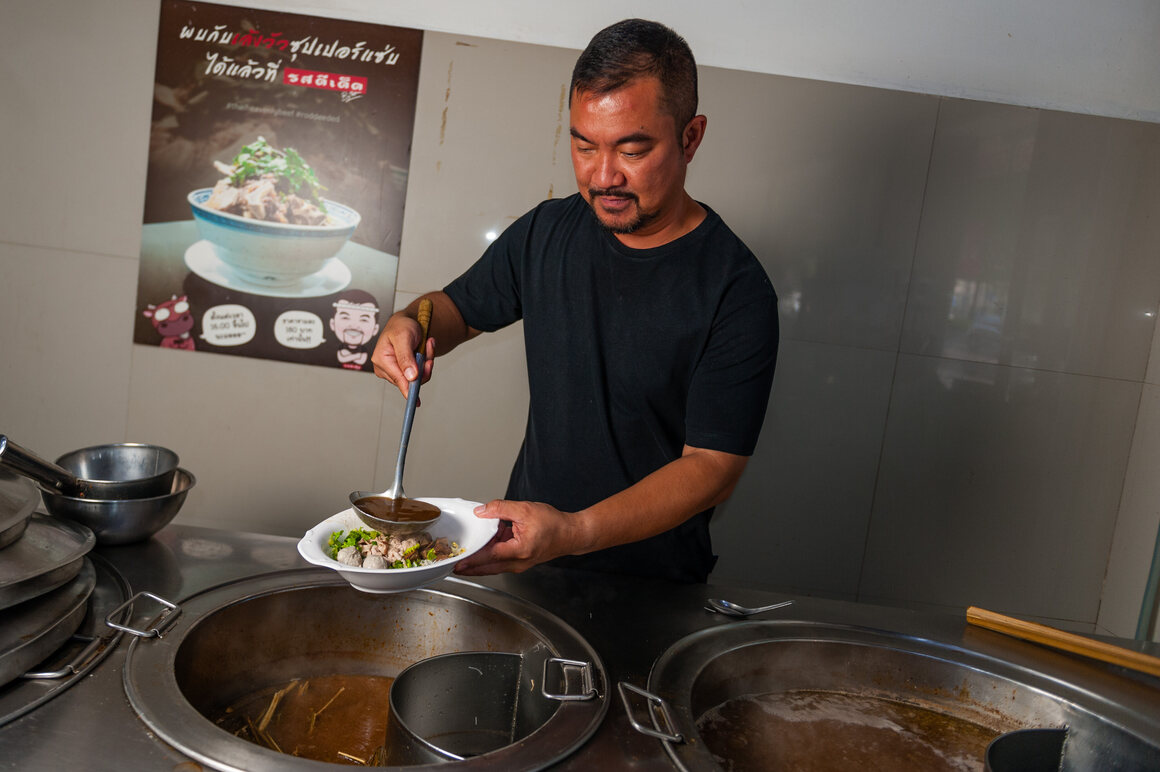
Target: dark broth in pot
809, 730
341, 719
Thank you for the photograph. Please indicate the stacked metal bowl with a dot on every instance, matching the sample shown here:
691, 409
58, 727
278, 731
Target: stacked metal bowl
105, 494
160, 488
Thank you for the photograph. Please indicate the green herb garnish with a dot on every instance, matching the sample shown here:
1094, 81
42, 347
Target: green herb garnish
337, 540
294, 174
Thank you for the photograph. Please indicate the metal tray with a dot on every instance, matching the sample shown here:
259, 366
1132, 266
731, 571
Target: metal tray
32, 631
48, 555
18, 497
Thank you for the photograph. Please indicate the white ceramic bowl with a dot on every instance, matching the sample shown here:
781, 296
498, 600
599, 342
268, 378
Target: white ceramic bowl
458, 524
272, 254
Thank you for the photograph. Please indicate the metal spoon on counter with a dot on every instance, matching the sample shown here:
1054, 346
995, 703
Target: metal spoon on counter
735, 610
391, 511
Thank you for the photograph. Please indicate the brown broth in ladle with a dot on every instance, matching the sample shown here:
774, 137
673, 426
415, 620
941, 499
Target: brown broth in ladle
397, 510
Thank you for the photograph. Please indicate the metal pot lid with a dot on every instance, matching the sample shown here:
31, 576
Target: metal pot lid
89, 646
11, 533
18, 497
32, 631
48, 555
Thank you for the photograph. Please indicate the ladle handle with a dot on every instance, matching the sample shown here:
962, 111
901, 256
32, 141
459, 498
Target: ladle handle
426, 308
51, 477
396, 491
424, 317
1058, 639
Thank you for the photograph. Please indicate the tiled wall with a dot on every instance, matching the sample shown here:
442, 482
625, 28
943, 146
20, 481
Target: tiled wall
956, 408
964, 410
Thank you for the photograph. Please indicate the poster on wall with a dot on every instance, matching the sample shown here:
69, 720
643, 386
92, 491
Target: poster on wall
278, 157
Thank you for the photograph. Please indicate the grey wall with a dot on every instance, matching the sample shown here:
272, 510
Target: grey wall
1074, 55
964, 411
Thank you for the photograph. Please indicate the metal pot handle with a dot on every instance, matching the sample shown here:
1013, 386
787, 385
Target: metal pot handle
157, 626
588, 688
657, 706
74, 666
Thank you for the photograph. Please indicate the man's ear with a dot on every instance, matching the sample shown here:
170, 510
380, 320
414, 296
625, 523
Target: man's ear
692, 135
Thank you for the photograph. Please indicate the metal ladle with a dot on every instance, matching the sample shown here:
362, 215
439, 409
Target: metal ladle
735, 610
391, 511
50, 476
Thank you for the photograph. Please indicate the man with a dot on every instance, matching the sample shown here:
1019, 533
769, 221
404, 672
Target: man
354, 324
650, 332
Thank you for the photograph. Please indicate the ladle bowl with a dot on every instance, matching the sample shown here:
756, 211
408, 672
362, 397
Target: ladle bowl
397, 517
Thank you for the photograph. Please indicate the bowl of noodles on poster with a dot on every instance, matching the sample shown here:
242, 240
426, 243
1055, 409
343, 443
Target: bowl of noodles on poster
266, 218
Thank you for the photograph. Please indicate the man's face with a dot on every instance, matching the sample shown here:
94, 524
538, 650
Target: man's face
354, 326
628, 158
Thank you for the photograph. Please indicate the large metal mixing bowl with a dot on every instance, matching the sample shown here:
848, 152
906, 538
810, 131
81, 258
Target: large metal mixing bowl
123, 521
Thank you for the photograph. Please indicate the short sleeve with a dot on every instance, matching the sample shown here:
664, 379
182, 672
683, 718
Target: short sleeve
731, 384
489, 293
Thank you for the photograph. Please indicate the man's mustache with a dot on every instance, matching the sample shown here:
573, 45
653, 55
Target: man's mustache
612, 192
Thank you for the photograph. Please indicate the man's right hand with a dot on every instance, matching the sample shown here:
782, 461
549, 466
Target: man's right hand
394, 354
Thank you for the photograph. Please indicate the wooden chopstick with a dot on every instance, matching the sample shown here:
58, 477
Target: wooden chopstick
1076, 644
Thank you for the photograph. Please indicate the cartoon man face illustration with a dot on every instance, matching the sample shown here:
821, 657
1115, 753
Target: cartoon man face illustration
355, 324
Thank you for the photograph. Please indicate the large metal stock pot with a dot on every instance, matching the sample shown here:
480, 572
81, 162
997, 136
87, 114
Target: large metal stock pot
241, 637
779, 660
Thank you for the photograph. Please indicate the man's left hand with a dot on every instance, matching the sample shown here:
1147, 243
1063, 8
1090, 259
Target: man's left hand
530, 534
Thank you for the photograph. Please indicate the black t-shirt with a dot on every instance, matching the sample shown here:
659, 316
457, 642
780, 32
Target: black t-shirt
631, 354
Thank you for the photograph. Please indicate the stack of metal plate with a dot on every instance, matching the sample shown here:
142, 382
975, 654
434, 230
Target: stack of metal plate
47, 556
45, 578
53, 597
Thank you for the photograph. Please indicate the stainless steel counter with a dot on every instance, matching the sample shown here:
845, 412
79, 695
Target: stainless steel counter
630, 622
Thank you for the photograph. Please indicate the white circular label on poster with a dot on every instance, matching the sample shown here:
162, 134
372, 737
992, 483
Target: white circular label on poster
298, 329
228, 325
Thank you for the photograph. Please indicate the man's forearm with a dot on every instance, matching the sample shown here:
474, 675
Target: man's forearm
696, 481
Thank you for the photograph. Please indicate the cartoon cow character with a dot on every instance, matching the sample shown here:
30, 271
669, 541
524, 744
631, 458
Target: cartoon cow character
173, 320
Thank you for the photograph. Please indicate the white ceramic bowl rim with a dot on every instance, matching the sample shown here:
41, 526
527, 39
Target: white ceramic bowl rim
347, 217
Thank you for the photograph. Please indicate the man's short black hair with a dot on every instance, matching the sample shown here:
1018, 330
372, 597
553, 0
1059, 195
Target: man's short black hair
636, 48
